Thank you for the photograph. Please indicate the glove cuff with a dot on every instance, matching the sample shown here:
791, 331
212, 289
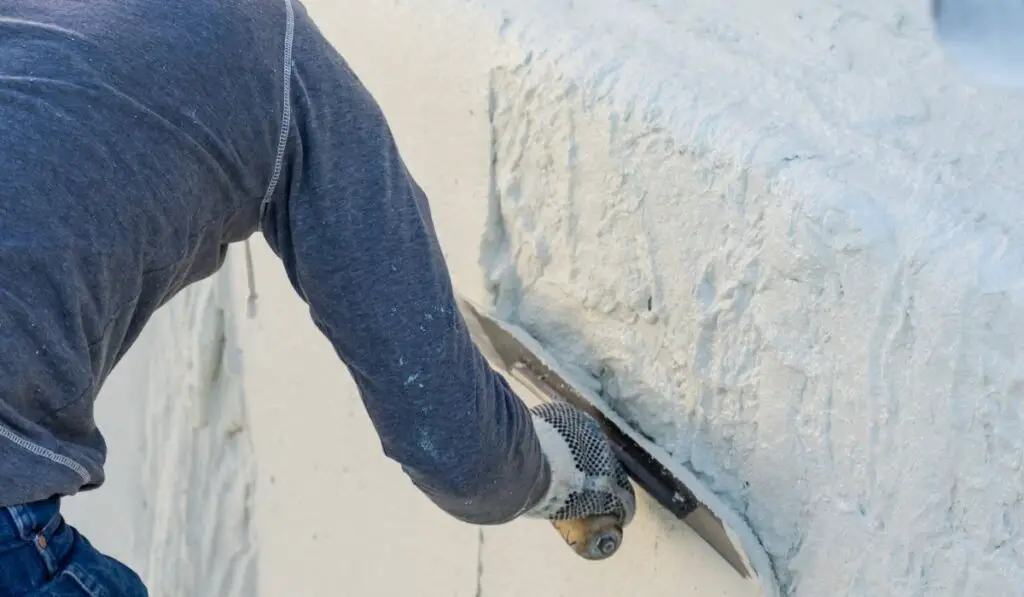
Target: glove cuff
565, 477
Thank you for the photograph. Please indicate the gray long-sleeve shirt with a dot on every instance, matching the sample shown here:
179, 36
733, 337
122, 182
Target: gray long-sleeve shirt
140, 139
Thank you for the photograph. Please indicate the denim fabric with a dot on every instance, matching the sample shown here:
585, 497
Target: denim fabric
43, 556
141, 138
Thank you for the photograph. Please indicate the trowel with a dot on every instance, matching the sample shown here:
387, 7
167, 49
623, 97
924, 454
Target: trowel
514, 352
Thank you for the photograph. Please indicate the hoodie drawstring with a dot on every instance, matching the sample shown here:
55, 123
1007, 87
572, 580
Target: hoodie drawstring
250, 272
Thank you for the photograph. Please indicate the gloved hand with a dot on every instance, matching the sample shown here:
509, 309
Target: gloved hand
586, 478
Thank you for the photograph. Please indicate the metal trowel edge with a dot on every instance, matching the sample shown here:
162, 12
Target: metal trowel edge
512, 350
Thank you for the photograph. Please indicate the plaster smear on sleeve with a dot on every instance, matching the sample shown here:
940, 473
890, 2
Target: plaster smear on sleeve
843, 369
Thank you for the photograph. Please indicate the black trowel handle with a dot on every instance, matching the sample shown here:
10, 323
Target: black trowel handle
644, 469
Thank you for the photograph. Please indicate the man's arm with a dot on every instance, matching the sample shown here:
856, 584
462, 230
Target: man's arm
354, 232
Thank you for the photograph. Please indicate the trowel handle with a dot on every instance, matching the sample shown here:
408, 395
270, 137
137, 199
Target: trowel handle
591, 538
594, 538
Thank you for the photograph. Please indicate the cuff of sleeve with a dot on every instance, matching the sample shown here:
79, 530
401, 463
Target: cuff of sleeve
564, 477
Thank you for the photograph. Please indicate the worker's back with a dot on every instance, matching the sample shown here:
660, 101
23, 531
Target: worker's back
137, 143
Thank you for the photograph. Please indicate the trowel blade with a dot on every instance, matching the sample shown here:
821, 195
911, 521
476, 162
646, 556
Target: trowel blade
508, 353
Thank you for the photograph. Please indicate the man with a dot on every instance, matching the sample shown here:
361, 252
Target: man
140, 139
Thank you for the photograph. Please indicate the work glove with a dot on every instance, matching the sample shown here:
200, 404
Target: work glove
587, 479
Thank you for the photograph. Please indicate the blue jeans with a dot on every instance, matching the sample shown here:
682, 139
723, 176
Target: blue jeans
42, 556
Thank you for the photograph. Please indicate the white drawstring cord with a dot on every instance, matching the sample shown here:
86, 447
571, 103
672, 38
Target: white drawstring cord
250, 272
282, 144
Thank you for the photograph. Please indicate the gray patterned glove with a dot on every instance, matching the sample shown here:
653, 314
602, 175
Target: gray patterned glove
587, 479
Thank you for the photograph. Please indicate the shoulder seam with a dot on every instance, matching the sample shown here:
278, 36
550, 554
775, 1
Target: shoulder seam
286, 110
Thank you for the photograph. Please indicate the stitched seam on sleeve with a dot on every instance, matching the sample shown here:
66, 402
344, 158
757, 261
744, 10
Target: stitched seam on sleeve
286, 110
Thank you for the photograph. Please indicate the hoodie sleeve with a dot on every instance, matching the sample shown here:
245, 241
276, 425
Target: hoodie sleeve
354, 232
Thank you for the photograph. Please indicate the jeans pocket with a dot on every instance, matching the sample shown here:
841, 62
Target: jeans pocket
88, 573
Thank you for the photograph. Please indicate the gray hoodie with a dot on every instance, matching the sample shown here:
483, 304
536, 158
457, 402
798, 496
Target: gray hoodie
140, 139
